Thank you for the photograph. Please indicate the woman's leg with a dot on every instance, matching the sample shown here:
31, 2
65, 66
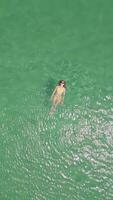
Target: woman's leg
56, 101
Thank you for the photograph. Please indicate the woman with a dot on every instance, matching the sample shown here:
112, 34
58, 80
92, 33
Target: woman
58, 94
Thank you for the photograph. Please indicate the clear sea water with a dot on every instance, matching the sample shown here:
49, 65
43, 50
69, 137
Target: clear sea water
67, 155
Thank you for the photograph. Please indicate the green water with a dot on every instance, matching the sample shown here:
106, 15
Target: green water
69, 155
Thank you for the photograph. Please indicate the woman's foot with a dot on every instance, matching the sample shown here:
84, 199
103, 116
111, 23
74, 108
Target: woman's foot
52, 110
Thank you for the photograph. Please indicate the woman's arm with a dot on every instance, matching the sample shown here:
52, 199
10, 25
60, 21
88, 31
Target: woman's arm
63, 95
53, 93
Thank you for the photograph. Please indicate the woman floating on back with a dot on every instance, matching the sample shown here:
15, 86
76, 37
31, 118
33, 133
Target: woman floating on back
58, 94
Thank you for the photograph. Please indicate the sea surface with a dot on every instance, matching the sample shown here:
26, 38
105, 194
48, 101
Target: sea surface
67, 155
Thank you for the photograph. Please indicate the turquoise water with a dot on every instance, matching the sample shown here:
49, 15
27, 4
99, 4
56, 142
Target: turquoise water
67, 155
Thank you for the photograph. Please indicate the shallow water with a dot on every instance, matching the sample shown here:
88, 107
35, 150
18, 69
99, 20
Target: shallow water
67, 155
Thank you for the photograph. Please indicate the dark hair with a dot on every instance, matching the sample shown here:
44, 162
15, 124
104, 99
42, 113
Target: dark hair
62, 81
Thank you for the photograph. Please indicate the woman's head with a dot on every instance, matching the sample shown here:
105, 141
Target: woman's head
62, 82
